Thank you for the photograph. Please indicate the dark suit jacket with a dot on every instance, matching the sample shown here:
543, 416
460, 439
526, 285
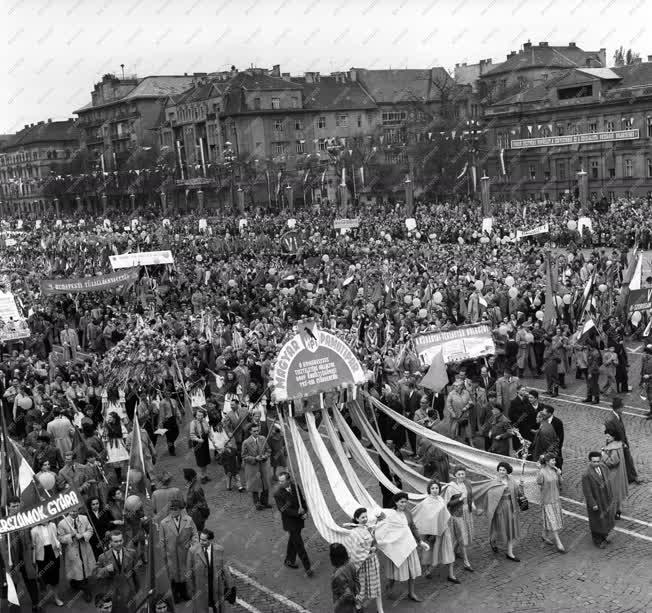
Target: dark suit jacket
489, 385
410, 403
613, 424
288, 504
121, 582
523, 417
558, 426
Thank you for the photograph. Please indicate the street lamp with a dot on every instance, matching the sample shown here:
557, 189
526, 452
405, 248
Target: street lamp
229, 157
471, 136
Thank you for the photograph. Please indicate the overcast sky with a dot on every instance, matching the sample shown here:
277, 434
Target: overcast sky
57, 49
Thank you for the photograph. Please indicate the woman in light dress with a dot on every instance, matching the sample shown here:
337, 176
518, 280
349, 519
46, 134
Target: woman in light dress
458, 497
433, 520
549, 481
364, 557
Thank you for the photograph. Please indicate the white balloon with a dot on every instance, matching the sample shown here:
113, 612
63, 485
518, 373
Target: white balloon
509, 281
437, 297
513, 292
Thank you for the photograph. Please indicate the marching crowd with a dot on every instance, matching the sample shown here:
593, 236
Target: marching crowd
226, 305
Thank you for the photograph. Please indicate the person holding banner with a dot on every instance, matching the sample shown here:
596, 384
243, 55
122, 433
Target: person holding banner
47, 554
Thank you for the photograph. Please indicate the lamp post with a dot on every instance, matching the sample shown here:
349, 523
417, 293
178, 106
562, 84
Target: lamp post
409, 197
471, 136
583, 185
484, 189
229, 163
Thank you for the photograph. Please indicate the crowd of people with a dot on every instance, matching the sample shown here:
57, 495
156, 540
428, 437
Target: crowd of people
222, 311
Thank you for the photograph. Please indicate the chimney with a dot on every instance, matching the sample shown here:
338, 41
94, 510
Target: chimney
40, 123
233, 71
285, 75
310, 77
276, 70
649, 58
511, 54
572, 45
543, 44
49, 119
353, 74
527, 45
26, 126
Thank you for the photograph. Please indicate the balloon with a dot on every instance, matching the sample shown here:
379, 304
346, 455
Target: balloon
479, 285
198, 258
513, 292
602, 288
536, 302
232, 283
358, 266
135, 476
272, 271
636, 317
475, 235
325, 258
418, 235
567, 299
558, 300
539, 315
432, 236
509, 281
310, 295
484, 240
416, 302
292, 291
423, 313
609, 263
269, 287
309, 286
133, 503
538, 262
388, 237
460, 240
47, 480
285, 291
408, 299
572, 224
437, 297
590, 266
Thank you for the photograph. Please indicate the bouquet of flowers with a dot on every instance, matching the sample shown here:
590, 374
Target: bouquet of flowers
143, 356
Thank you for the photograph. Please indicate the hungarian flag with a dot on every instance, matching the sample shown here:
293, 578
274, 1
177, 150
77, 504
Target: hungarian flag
586, 331
137, 477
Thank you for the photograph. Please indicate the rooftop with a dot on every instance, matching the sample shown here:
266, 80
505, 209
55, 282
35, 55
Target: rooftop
43, 132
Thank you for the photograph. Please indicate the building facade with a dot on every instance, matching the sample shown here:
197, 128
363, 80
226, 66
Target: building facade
593, 120
28, 158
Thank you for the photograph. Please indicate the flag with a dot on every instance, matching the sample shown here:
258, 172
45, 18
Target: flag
583, 302
436, 379
458, 177
79, 446
474, 177
362, 176
551, 282
635, 281
586, 330
502, 162
305, 177
278, 184
137, 477
12, 594
323, 179
628, 276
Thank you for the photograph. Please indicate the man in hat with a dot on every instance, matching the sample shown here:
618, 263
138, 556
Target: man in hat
178, 535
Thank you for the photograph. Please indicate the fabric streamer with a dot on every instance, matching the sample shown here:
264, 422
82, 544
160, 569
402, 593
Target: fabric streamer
342, 494
359, 490
404, 472
394, 537
321, 517
481, 462
363, 459
431, 516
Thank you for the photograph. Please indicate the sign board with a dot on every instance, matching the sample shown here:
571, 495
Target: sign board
12, 324
313, 362
59, 223
292, 223
542, 229
348, 224
145, 258
166, 222
41, 513
487, 224
639, 300
194, 182
37, 224
466, 343
575, 139
584, 222
411, 224
203, 224
89, 284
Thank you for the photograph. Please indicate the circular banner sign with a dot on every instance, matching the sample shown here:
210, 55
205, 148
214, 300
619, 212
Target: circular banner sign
313, 362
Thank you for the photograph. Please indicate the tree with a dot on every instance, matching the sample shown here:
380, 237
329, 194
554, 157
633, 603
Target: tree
625, 58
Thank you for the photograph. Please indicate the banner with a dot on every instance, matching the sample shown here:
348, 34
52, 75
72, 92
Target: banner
146, 258
203, 224
575, 139
313, 362
41, 513
532, 231
411, 224
466, 343
340, 224
89, 284
487, 224
639, 300
12, 324
583, 222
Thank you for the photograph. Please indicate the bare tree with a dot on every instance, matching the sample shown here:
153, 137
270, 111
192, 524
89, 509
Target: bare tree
624, 57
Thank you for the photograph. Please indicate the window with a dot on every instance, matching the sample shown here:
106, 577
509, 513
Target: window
276, 103
628, 168
561, 170
560, 130
612, 196
627, 123
359, 121
321, 123
257, 104
394, 117
295, 102
649, 127
54, 154
532, 171
278, 148
594, 169
593, 126
300, 147
278, 125
612, 173
546, 176
649, 168
298, 124
610, 126
322, 145
342, 121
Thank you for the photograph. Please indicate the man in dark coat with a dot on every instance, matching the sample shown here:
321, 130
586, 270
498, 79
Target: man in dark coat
545, 440
523, 416
614, 423
558, 426
116, 569
599, 499
499, 431
292, 506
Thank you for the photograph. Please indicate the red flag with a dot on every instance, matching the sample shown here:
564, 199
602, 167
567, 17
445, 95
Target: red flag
436, 379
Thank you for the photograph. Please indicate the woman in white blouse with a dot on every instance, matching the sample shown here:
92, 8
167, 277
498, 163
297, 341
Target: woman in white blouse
47, 554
